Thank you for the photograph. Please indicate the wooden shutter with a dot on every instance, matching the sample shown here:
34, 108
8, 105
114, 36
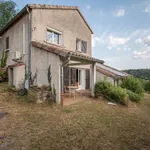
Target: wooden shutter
84, 46
66, 76
73, 76
87, 86
7, 43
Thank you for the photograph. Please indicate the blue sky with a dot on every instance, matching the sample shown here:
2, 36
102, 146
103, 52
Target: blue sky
121, 29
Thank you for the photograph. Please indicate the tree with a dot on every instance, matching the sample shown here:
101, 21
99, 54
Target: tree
7, 11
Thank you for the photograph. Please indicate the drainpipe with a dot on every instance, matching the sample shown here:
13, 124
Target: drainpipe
62, 79
29, 46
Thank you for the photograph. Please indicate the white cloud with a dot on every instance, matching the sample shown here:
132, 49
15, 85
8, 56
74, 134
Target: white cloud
119, 13
118, 49
111, 60
139, 40
86, 8
146, 41
142, 54
126, 49
116, 41
96, 40
147, 9
109, 47
139, 33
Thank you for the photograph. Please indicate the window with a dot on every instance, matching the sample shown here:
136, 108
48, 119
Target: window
78, 45
81, 46
53, 37
84, 46
7, 43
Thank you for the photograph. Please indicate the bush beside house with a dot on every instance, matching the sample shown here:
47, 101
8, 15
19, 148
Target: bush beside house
111, 93
3, 69
133, 84
131, 88
147, 86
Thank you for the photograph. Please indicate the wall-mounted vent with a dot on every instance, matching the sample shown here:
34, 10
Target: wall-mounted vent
17, 55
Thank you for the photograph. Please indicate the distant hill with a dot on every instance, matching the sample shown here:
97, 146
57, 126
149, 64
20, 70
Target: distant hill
139, 73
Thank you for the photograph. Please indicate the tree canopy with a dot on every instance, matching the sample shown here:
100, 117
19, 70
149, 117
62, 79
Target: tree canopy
7, 11
139, 73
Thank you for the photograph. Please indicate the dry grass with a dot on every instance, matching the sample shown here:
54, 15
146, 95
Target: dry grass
89, 125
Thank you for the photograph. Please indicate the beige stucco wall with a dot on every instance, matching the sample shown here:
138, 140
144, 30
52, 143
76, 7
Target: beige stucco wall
18, 76
101, 77
69, 22
40, 61
15, 34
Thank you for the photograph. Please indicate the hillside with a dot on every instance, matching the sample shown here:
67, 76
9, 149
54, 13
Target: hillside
87, 125
139, 73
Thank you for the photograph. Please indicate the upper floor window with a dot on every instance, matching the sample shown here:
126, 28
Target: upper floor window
53, 36
7, 43
78, 45
81, 46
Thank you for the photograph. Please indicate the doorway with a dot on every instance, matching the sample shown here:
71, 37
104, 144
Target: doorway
11, 76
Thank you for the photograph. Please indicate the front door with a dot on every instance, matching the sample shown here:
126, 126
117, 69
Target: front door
81, 78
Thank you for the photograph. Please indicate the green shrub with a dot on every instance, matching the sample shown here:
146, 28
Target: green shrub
147, 86
134, 97
118, 95
115, 94
102, 88
132, 84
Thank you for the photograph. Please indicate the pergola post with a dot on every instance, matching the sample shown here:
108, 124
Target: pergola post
93, 78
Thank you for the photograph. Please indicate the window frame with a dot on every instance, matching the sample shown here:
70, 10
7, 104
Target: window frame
7, 45
80, 45
54, 32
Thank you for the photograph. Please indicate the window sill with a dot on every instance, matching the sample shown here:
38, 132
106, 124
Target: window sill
81, 52
6, 50
53, 43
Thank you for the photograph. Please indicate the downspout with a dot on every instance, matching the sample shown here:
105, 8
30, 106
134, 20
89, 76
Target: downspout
29, 46
62, 79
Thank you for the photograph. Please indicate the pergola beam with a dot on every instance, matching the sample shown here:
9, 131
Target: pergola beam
77, 64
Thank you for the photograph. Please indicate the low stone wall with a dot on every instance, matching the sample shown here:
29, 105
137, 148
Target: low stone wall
42, 96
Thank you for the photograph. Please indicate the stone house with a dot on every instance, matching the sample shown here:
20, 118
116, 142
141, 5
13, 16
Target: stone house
43, 35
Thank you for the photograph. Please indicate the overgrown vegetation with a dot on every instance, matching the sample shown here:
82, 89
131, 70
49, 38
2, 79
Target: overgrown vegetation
133, 84
147, 86
131, 88
108, 91
134, 97
3, 69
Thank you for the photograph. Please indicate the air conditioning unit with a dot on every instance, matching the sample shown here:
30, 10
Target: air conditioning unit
17, 55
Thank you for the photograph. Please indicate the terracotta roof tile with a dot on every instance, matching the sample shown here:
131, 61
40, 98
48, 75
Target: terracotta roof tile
105, 72
109, 73
45, 6
62, 51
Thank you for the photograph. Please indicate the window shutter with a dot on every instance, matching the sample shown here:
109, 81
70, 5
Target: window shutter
66, 76
87, 79
84, 46
7, 43
73, 76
